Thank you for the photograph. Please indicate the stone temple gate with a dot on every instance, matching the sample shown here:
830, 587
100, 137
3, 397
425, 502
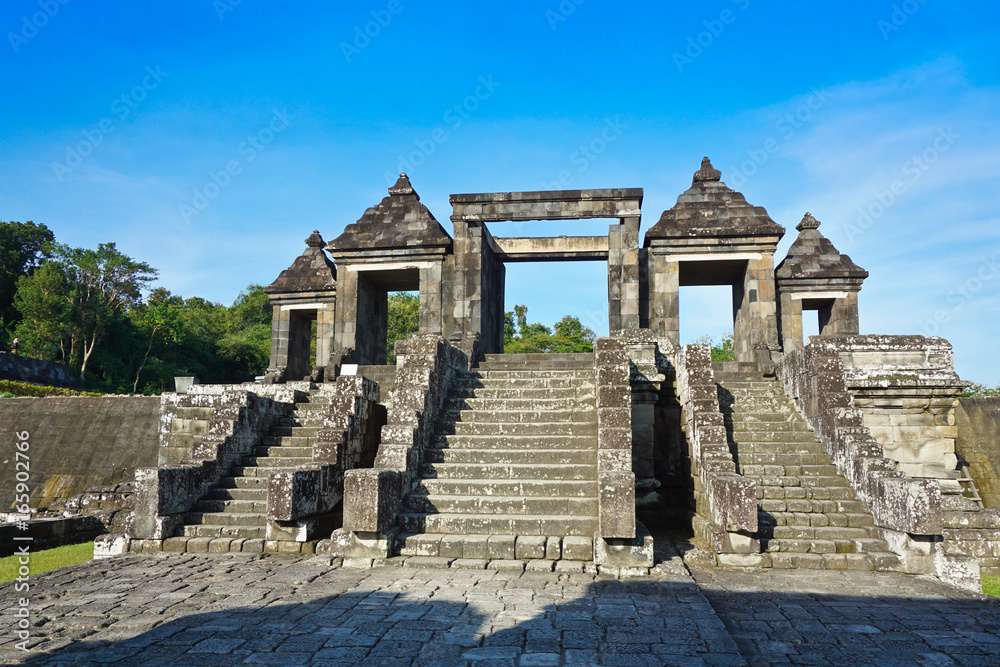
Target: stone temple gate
838, 452
711, 237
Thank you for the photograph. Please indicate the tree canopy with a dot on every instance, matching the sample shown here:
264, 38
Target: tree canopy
521, 336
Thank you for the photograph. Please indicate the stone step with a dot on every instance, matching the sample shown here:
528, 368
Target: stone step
276, 461
497, 524
539, 428
229, 493
294, 431
542, 360
795, 490
785, 458
517, 442
508, 488
519, 393
216, 530
490, 373
833, 533
859, 545
787, 475
839, 515
495, 382
556, 471
496, 547
772, 427
286, 441
482, 504
226, 518
774, 437
741, 418
242, 482
800, 512
521, 456
283, 451
260, 472
208, 505
502, 416
544, 405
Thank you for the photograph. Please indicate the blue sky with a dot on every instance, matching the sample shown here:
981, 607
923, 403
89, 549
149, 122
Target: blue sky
210, 138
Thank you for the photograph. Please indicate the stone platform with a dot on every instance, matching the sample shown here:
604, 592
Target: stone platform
228, 609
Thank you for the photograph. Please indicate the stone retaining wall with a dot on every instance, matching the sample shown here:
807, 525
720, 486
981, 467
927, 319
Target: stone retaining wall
78, 443
24, 369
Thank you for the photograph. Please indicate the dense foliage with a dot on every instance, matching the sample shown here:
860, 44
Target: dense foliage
404, 319
93, 310
567, 335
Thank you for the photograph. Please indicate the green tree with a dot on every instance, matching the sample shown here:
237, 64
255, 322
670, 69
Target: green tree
105, 284
722, 350
246, 343
981, 391
404, 319
44, 301
533, 338
23, 248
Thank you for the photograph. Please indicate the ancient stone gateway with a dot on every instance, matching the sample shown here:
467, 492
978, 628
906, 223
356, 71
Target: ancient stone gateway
838, 452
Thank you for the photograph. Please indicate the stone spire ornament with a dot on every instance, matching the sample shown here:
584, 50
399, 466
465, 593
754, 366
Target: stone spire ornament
707, 172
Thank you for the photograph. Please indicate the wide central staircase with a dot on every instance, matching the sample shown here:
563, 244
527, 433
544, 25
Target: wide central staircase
512, 472
808, 514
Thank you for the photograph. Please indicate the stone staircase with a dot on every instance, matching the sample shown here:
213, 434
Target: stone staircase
512, 471
233, 515
808, 515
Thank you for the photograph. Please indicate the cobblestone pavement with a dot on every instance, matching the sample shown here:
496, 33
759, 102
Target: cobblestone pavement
850, 618
227, 609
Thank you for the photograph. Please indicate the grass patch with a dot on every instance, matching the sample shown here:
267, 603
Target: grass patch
48, 560
991, 585
12, 389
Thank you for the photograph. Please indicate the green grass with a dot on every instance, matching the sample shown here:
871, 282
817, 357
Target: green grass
48, 560
991, 585
10, 389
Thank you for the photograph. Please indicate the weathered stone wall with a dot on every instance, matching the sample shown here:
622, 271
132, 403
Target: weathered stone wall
77, 443
24, 369
240, 418
372, 496
978, 442
615, 479
725, 512
907, 388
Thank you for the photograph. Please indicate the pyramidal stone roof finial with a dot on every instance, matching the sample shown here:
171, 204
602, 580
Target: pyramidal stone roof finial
315, 240
402, 186
707, 172
808, 222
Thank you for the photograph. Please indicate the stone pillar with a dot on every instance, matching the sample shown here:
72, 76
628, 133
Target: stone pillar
279, 339
755, 314
431, 299
346, 312
467, 285
843, 318
630, 273
664, 297
615, 240
325, 320
791, 322
643, 438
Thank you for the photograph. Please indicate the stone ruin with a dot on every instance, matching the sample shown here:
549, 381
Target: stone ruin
838, 452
